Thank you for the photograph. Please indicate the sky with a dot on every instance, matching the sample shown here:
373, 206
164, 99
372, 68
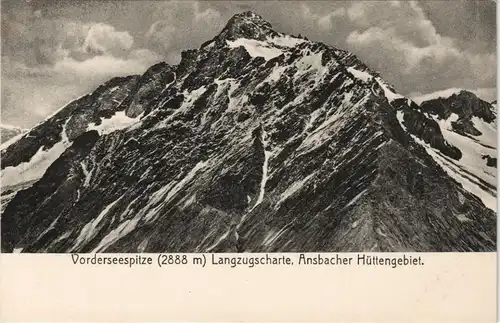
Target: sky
54, 51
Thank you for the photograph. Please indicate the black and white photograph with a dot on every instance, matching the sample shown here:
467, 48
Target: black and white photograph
248, 126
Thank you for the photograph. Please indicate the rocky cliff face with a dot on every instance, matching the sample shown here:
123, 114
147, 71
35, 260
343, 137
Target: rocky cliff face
257, 141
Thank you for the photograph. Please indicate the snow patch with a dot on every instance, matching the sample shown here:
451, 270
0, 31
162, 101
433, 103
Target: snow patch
90, 229
452, 168
163, 195
380, 232
400, 116
286, 41
189, 201
356, 198
185, 180
221, 238
488, 131
51, 226
265, 175
463, 218
35, 168
355, 224
88, 175
143, 245
472, 151
255, 48
292, 189
311, 61
389, 94
363, 76
271, 237
265, 170
118, 121
276, 74
113, 89
114, 235
312, 119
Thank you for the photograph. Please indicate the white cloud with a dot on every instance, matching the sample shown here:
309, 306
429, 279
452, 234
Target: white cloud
400, 39
161, 35
208, 16
180, 25
410, 48
106, 39
31, 93
325, 22
67, 60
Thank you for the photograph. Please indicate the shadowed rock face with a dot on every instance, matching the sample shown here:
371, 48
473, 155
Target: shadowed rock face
257, 141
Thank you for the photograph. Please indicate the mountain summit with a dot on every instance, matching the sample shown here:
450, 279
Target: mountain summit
247, 25
256, 141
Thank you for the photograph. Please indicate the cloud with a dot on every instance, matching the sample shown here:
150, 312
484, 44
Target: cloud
49, 62
170, 34
161, 36
400, 40
104, 39
326, 21
64, 49
29, 93
209, 16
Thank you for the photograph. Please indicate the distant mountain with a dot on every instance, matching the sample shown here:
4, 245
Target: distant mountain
469, 124
7, 132
257, 141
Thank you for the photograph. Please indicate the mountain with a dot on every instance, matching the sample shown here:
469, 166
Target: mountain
257, 141
8, 132
470, 124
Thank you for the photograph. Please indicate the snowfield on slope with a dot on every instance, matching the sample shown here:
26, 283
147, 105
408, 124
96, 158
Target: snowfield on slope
256, 48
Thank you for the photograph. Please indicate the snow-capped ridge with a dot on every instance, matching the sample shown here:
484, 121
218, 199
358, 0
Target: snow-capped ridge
445, 94
255, 48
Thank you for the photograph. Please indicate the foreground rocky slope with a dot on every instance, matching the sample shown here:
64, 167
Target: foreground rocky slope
257, 141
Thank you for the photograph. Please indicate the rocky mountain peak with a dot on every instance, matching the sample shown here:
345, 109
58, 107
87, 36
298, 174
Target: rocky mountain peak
466, 94
247, 16
464, 104
248, 25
